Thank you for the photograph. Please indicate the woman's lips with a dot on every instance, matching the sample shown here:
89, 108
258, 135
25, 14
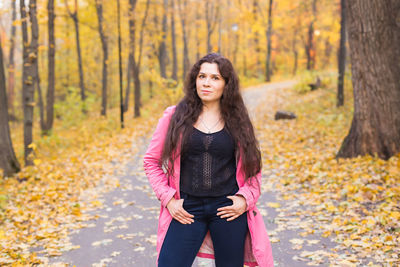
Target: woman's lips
205, 91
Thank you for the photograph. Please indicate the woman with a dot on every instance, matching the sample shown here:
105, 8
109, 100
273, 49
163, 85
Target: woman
211, 183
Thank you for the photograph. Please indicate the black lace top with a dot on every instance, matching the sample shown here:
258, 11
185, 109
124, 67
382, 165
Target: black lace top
208, 165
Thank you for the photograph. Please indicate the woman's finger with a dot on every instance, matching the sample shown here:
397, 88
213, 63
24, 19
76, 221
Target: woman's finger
229, 210
232, 218
223, 212
182, 211
185, 213
184, 216
183, 220
225, 207
228, 215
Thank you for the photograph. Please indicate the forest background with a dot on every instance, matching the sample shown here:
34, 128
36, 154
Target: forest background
80, 57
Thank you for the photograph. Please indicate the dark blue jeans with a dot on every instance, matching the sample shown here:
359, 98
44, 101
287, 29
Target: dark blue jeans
182, 241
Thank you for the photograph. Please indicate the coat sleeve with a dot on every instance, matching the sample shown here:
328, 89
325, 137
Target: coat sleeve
154, 172
251, 190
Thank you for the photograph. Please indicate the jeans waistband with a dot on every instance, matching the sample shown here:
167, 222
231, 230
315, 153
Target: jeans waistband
188, 196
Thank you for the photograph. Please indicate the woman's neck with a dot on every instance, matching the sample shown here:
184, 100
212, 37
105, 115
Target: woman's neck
211, 108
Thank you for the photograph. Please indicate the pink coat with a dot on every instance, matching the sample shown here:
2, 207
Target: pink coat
257, 246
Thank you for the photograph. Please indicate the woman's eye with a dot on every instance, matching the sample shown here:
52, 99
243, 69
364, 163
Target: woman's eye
215, 78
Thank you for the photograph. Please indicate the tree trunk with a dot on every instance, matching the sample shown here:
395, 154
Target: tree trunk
212, 15
138, 90
374, 38
182, 15
51, 68
128, 82
310, 47
131, 55
121, 94
40, 97
34, 46
151, 67
11, 64
103, 38
209, 30
327, 52
256, 39
236, 48
219, 35
269, 33
78, 50
146, 14
295, 52
67, 54
342, 55
28, 84
132, 46
8, 160
162, 50
137, 94
74, 17
198, 18
66, 58
173, 40
296, 57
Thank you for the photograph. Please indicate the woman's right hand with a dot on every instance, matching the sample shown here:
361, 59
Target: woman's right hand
175, 208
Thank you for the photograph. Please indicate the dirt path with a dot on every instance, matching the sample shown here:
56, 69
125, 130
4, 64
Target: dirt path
125, 232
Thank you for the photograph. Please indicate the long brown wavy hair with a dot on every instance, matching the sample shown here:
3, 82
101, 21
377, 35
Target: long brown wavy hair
234, 114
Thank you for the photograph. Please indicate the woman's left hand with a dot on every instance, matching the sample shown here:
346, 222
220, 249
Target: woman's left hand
235, 210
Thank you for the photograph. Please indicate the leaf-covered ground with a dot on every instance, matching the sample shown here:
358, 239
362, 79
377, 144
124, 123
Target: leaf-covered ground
73, 168
353, 202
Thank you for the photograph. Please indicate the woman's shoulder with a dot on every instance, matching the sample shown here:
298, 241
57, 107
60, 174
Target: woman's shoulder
169, 110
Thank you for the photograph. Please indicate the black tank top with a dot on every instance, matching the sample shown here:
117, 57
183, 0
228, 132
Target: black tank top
208, 165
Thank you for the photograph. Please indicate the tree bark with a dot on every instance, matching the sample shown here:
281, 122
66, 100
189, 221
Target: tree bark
310, 47
256, 39
121, 95
74, 17
138, 90
51, 68
327, 52
374, 38
162, 50
104, 45
341, 55
128, 82
173, 40
182, 12
11, 64
151, 67
34, 46
212, 13
132, 46
8, 160
197, 28
28, 84
219, 35
295, 52
269, 33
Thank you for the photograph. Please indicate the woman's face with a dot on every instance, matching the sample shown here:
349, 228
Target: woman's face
209, 83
